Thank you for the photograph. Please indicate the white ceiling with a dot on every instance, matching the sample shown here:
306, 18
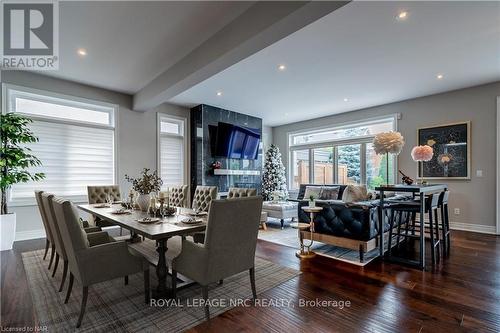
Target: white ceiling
361, 52
130, 42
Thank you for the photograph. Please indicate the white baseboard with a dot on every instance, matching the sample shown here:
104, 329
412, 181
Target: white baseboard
30, 234
484, 229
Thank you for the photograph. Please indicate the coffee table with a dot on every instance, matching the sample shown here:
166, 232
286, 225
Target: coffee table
281, 210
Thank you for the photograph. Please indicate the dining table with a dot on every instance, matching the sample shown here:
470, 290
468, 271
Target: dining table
418, 192
159, 231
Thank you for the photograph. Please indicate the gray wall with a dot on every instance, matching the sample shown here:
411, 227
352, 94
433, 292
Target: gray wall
475, 198
136, 134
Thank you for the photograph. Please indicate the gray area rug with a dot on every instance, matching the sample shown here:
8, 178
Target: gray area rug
289, 237
114, 307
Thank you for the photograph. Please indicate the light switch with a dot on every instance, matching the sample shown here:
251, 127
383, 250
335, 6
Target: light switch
479, 173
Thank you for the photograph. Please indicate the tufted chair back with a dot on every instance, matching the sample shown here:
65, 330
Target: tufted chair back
178, 196
238, 192
203, 196
98, 194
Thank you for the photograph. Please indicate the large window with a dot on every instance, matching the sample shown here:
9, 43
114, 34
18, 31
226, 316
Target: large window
171, 146
340, 155
76, 142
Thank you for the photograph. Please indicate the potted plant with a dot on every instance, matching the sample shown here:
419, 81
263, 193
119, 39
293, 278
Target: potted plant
312, 203
144, 185
15, 160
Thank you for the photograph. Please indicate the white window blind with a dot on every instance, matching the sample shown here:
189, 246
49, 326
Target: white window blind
171, 151
75, 151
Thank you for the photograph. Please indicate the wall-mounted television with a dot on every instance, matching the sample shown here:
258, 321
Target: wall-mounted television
232, 141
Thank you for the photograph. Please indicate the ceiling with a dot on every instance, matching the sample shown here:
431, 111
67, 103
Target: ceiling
360, 56
129, 43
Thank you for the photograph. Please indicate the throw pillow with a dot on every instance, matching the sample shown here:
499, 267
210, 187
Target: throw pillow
354, 193
312, 190
329, 193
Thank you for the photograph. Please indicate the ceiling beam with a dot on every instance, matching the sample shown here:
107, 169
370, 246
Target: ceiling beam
261, 25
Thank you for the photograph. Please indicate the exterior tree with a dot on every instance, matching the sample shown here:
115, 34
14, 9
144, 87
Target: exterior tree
15, 158
273, 178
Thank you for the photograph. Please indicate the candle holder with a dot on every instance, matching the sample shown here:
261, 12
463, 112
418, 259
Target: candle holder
161, 210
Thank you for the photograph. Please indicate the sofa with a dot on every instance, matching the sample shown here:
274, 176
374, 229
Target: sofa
351, 225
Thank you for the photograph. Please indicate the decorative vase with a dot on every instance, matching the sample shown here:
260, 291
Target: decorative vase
8, 231
142, 201
312, 203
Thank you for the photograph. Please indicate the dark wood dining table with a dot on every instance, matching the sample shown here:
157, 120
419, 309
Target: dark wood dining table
420, 191
160, 232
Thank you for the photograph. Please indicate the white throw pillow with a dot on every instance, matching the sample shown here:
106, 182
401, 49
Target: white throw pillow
312, 190
354, 193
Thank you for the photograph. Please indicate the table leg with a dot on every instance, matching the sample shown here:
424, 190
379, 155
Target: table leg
161, 270
381, 224
422, 231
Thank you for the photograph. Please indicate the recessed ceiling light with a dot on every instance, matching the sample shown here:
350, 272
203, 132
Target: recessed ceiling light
281, 67
439, 76
219, 93
402, 16
346, 99
81, 52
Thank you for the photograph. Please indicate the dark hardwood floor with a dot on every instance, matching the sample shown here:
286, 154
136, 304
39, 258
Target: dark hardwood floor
461, 294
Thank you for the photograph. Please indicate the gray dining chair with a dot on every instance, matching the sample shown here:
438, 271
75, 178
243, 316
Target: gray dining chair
240, 192
49, 243
178, 196
94, 264
99, 194
228, 249
203, 196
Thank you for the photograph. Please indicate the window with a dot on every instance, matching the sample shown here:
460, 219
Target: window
171, 143
340, 155
76, 142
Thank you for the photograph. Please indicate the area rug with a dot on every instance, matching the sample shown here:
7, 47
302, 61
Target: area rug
289, 237
114, 307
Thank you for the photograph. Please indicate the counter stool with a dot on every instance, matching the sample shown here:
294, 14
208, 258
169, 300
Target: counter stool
405, 213
445, 222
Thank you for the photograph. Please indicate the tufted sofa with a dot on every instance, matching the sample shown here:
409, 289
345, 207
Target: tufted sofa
99, 194
356, 222
203, 196
178, 196
239, 192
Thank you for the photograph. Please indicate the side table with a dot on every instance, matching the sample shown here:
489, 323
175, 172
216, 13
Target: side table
303, 253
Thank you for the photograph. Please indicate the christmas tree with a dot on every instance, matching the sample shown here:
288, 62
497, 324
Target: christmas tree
273, 178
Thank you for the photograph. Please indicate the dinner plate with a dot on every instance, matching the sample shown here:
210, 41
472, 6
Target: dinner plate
102, 206
121, 212
198, 214
148, 220
192, 221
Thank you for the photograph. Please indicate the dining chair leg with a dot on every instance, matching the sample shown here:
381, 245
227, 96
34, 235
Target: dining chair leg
47, 245
448, 233
147, 290
438, 242
391, 225
70, 286
221, 282
65, 272
126, 279
252, 282
431, 229
204, 293
174, 284
84, 305
52, 255
55, 265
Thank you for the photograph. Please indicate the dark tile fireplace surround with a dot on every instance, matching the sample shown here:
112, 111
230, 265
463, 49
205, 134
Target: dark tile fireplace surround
233, 172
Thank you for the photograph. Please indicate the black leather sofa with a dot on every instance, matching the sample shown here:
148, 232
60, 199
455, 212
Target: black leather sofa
351, 225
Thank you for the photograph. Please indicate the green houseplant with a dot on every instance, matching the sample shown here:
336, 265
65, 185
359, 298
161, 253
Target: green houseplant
144, 185
15, 161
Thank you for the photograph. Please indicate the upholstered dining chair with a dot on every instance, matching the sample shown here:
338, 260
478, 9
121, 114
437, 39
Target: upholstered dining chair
60, 252
48, 230
240, 192
227, 250
93, 264
99, 194
203, 196
178, 196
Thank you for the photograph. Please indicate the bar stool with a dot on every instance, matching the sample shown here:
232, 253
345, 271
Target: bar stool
445, 222
405, 212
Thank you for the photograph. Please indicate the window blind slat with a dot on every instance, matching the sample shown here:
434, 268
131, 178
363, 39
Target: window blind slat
172, 160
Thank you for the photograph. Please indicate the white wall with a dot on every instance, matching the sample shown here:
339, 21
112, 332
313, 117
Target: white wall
136, 135
475, 197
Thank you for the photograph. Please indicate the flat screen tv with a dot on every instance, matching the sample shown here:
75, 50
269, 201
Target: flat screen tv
232, 141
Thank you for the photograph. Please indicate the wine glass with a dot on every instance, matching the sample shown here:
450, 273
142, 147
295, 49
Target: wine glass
109, 199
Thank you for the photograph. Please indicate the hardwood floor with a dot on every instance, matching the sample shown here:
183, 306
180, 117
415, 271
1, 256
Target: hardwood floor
462, 294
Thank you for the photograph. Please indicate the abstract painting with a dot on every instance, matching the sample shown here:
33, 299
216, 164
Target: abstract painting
451, 144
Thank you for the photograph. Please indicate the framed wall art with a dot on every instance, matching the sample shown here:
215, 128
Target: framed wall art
451, 145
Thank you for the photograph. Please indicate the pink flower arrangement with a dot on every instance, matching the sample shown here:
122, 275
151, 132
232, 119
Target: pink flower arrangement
422, 153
